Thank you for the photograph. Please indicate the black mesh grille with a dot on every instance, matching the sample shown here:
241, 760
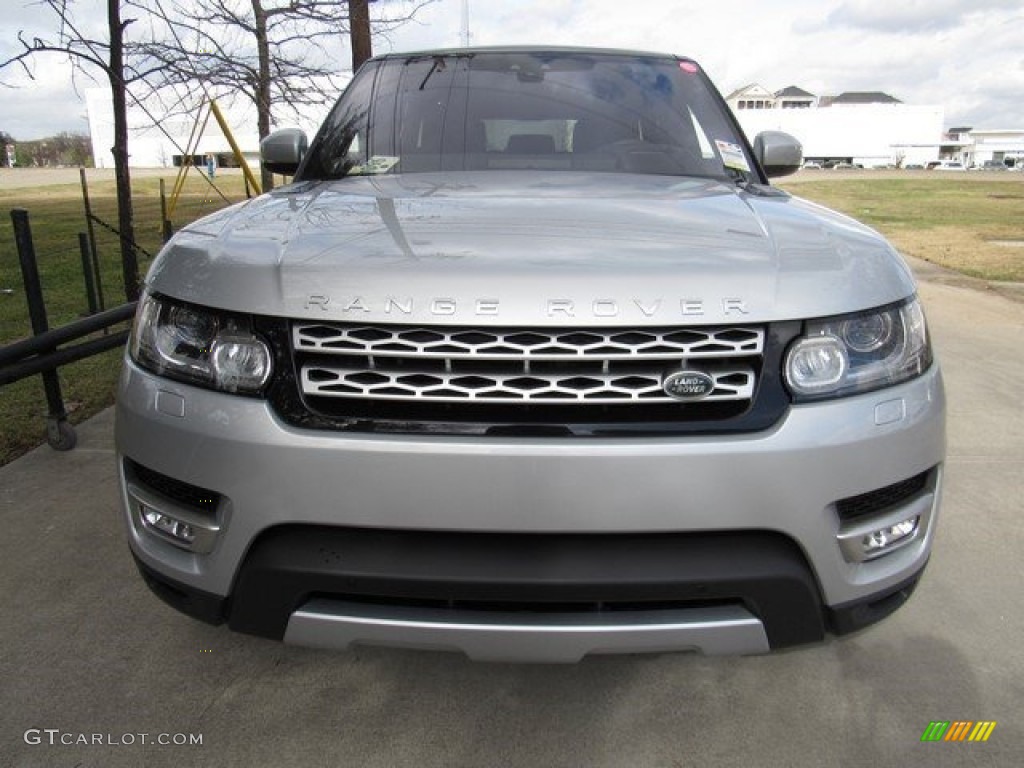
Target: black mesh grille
881, 499
183, 493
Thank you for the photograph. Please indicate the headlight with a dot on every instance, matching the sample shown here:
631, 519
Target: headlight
200, 346
858, 353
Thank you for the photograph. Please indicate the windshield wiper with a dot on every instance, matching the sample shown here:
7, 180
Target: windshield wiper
438, 66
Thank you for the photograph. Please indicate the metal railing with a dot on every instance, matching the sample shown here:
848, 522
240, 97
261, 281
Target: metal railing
42, 353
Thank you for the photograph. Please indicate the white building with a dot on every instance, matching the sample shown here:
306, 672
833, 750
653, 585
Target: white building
989, 147
158, 139
867, 128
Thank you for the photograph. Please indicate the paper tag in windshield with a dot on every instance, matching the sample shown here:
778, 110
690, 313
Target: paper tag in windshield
379, 164
732, 155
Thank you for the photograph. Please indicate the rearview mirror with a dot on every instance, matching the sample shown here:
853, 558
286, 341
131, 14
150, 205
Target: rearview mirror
778, 153
282, 151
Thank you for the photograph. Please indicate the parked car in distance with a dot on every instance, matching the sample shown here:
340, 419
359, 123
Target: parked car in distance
949, 165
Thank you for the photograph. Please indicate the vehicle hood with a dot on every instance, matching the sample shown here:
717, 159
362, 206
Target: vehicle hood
521, 248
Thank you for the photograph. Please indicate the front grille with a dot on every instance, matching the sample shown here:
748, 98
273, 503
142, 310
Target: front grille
483, 380
598, 367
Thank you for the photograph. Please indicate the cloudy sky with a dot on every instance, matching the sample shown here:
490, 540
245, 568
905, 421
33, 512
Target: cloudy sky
967, 55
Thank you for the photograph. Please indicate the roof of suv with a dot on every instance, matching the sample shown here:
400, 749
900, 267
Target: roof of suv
528, 49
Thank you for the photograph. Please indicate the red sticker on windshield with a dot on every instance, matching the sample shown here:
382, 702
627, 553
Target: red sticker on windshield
688, 66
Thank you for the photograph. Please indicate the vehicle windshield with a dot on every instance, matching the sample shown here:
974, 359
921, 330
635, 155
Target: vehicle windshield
512, 110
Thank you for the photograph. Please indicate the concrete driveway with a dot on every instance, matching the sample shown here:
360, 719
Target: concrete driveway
88, 655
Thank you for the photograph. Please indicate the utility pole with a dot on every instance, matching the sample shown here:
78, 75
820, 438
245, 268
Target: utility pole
465, 34
359, 31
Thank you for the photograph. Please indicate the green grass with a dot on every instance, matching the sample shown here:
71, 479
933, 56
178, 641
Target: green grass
921, 203
959, 221
56, 217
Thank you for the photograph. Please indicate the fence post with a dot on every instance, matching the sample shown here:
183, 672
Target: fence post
59, 433
165, 224
92, 240
87, 272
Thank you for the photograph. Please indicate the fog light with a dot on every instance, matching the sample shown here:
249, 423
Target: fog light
177, 530
876, 542
873, 539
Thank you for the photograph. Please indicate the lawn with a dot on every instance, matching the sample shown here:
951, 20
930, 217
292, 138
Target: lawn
967, 222
56, 217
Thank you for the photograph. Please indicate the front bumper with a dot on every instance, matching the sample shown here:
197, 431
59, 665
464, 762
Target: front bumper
783, 482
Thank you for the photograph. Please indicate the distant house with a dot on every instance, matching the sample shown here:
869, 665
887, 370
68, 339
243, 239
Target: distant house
792, 97
752, 96
850, 98
755, 96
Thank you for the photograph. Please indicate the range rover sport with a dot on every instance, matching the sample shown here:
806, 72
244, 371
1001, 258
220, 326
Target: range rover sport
531, 361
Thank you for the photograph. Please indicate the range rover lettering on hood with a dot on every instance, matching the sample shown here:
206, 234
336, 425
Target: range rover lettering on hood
358, 306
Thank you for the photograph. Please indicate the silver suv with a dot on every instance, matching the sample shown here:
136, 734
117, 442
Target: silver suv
531, 362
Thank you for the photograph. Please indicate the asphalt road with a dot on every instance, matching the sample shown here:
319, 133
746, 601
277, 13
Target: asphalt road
87, 653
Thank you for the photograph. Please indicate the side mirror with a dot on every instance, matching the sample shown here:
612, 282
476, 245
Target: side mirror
778, 153
282, 151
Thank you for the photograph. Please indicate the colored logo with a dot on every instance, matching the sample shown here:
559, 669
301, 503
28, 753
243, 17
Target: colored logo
958, 730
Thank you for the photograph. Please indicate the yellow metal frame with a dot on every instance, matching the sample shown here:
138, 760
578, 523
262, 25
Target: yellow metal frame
234, 146
193, 143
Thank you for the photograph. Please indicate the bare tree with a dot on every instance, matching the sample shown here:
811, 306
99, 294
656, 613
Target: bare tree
359, 31
6, 140
89, 54
274, 52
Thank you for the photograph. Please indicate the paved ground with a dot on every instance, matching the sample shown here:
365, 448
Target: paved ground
85, 649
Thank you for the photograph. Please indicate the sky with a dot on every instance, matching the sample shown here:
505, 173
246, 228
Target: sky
966, 55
